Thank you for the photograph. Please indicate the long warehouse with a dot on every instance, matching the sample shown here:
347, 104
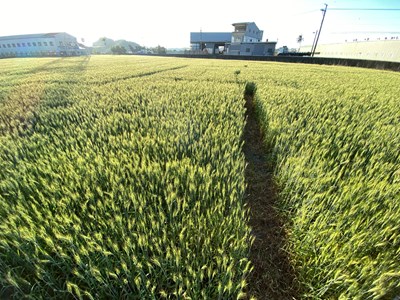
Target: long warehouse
45, 44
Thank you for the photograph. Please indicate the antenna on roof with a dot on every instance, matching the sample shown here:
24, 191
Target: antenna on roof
201, 40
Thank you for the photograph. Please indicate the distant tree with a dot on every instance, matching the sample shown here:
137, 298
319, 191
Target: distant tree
300, 39
118, 50
132, 49
104, 40
156, 50
160, 50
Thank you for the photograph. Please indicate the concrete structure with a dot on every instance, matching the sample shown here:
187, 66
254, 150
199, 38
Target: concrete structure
45, 44
246, 32
261, 48
246, 39
385, 50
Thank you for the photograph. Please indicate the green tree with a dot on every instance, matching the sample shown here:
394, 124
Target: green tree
300, 39
118, 50
161, 50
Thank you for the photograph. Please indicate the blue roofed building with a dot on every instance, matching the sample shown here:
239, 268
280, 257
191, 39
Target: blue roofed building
209, 42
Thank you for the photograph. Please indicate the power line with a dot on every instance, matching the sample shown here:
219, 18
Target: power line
305, 12
343, 32
390, 9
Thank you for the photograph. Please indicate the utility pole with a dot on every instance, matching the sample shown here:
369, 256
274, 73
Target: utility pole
320, 28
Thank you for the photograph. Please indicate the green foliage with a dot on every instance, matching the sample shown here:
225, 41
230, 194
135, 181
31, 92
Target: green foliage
123, 177
123, 182
118, 50
335, 137
250, 89
159, 50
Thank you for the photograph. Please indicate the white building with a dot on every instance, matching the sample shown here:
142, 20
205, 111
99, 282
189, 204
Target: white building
45, 44
246, 40
246, 32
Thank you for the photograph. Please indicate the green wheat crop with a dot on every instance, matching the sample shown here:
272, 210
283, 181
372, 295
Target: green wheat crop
334, 134
120, 181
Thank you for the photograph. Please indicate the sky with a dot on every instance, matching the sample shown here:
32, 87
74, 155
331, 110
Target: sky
168, 23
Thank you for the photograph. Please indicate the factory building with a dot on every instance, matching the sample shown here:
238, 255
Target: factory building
46, 44
246, 39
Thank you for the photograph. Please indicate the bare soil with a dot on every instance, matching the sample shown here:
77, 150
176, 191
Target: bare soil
273, 277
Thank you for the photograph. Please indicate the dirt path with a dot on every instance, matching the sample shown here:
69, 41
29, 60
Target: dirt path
272, 277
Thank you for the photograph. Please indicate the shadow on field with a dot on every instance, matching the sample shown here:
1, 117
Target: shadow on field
56, 64
35, 92
273, 277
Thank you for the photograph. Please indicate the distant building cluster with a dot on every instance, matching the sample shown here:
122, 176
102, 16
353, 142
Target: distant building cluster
47, 44
246, 39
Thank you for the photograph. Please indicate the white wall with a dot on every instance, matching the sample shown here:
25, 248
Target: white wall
45, 45
387, 50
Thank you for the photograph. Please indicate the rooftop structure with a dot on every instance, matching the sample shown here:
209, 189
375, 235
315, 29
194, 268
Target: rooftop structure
210, 37
246, 32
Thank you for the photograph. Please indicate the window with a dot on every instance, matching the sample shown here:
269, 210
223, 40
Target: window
29, 44
51, 43
34, 44
8, 45
13, 45
4, 46
44, 43
39, 43
61, 43
247, 49
23, 45
18, 45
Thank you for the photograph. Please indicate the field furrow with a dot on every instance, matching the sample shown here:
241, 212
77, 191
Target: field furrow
136, 177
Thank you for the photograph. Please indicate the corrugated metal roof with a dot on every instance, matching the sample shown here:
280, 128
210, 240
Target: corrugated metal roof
211, 37
242, 23
30, 36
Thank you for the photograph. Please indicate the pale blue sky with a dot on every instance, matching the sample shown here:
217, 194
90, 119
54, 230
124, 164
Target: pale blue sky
169, 23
